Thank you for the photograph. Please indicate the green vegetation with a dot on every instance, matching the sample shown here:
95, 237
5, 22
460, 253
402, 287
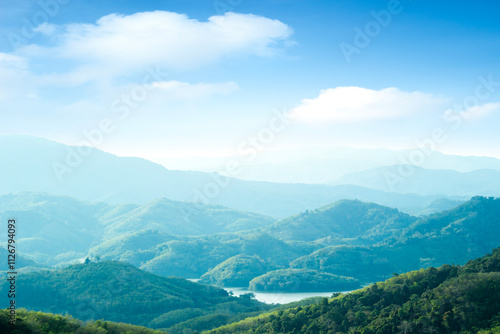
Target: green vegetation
120, 292
30, 322
237, 271
351, 222
348, 238
303, 280
191, 257
448, 299
329, 240
57, 230
181, 218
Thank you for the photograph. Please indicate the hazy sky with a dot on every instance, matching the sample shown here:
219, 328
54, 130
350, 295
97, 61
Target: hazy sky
182, 78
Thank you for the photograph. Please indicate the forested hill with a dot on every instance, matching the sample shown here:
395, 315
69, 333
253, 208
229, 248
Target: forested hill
120, 292
31, 322
448, 299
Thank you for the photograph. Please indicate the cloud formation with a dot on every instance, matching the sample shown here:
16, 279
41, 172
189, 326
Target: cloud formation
481, 111
354, 104
167, 39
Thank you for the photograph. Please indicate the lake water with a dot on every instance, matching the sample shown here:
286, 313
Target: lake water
280, 297
277, 297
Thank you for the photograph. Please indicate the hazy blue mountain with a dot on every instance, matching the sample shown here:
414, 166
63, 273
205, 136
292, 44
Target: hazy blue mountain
34, 164
326, 164
58, 229
53, 228
180, 218
484, 182
120, 292
21, 262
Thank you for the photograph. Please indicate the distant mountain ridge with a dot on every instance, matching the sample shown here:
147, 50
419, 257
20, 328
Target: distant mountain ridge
417, 180
323, 165
40, 165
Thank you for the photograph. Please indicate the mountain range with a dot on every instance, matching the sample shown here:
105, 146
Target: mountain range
85, 173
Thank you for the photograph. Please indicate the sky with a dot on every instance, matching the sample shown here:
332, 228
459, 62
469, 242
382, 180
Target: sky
175, 79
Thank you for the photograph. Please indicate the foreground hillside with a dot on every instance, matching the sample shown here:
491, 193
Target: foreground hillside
119, 292
29, 322
448, 299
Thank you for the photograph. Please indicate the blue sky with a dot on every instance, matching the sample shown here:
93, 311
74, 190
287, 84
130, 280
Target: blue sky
223, 69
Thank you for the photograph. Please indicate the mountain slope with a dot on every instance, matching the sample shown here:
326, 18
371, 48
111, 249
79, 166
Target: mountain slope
340, 221
180, 218
348, 238
452, 236
120, 292
449, 299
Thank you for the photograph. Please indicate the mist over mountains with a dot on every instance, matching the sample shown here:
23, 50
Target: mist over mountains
40, 165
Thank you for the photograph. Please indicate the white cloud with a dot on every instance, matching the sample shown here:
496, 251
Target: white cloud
351, 104
481, 111
170, 40
184, 90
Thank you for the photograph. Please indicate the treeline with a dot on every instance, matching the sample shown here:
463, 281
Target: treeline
120, 292
448, 299
30, 322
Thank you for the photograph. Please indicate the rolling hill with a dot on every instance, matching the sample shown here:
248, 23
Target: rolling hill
342, 222
58, 229
120, 292
360, 240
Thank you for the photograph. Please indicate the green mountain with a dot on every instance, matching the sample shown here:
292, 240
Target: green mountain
181, 218
191, 257
303, 280
452, 236
342, 222
120, 292
363, 241
449, 299
237, 271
